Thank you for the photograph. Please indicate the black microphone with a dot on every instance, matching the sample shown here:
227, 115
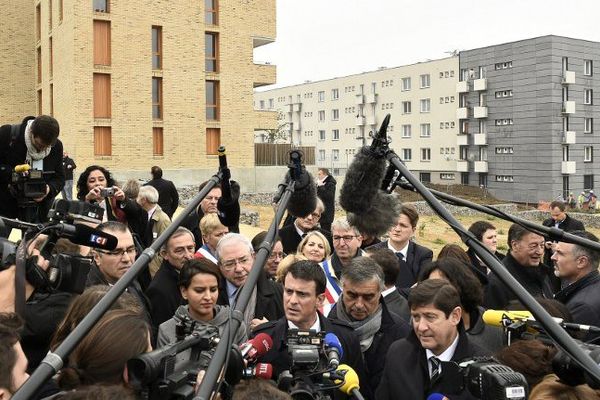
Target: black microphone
228, 206
86, 236
304, 199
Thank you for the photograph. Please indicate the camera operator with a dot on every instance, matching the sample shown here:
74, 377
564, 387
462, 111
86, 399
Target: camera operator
35, 142
304, 292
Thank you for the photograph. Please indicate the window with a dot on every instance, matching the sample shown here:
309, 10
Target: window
101, 42
50, 15
335, 155
51, 56
210, 12
406, 131
261, 104
211, 43
39, 102
157, 142
405, 84
336, 134
481, 126
503, 65
505, 121
447, 177
464, 178
406, 154
425, 154
588, 96
588, 125
588, 182
322, 116
504, 178
102, 141
39, 65
425, 81
157, 100
321, 155
60, 10
51, 99
464, 127
335, 94
406, 107
565, 153
425, 177
156, 47
483, 180
271, 104
212, 100
101, 6
425, 105
321, 135
38, 22
588, 68
588, 154
102, 96
425, 130
504, 150
213, 140
335, 115
321, 97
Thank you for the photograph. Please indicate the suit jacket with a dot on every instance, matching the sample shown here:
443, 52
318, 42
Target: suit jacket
281, 361
269, 298
164, 294
406, 373
398, 305
326, 193
416, 257
582, 298
568, 225
168, 197
290, 238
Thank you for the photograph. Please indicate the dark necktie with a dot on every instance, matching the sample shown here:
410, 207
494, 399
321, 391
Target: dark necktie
400, 256
436, 369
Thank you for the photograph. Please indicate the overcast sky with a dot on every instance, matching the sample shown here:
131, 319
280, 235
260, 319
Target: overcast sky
321, 39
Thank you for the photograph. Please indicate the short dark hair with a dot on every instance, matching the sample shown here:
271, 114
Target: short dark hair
388, 261
308, 271
325, 170
82, 189
194, 267
411, 212
156, 172
532, 358
10, 323
557, 203
114, 226
478, 228
46, 128
363, 269
258, 239
515, 233
461, 277
437, 292
452, 250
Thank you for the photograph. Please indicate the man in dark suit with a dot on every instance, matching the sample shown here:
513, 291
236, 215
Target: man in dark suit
577, 267
304, 292
394, 301
291, 235
411, 256
168, 197
326, 192
418, 365
235, 257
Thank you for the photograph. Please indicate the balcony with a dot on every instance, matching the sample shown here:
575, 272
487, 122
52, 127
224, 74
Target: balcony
288, 108
567, 167
462, 113
264, 74
462, 86
480, 112
297, 107
462, 140
480, 166
371, 98
359, 99
480, 84
360, 120
480, 139
568, 107
569, 137
568, 78
462, 166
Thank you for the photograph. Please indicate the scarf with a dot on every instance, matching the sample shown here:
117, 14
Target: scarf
365, 329
32, 153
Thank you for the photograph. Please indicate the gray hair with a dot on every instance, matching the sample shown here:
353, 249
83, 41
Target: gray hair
344, 225
592, 255
149, 193
363, 269
230, 239
320, 206
180, 231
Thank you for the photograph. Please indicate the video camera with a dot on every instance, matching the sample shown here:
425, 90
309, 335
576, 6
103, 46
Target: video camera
485, 378
28, 184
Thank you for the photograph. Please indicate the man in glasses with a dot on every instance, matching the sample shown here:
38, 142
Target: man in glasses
346, 244
292, 234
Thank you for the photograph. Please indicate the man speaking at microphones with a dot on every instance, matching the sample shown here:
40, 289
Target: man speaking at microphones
415, 367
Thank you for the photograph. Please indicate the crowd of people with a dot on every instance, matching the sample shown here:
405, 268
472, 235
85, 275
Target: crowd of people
399, 314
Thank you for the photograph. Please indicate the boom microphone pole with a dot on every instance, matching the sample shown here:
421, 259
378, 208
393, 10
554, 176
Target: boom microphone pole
54, 361
559, 335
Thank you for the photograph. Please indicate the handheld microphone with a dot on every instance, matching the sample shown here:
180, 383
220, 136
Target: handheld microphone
256, 347
260, 370
351, 385
333, 349
303, 200
436, 396
87, 236
228, 206
22, 168
504, 318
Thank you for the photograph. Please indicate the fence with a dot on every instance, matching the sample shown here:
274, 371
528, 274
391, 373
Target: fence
268, 154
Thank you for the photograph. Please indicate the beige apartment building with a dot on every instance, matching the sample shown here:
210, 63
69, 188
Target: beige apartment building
135, 84
337, 116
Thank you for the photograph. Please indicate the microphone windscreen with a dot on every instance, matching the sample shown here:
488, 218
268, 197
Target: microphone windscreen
304, 199
362, 182
350, 379
496, 317
262, 343
331, 340
88, 236
228, 209
263, 371
379, 218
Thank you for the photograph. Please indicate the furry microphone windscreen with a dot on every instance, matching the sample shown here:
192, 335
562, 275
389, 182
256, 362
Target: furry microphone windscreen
228, 210
377, 220
304, 199
362, 182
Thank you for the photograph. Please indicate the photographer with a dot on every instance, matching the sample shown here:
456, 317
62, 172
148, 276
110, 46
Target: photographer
35, 142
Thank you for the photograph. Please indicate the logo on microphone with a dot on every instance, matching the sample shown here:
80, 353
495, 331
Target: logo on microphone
98, 240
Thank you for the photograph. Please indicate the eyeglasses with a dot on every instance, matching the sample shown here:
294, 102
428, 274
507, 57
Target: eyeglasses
130, 251
275, 255
230, 264
346, 238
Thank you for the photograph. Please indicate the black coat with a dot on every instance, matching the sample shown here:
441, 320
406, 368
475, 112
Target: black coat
406, 374
393, 328
164, 294
582, 298
326, 193
533, 279
168, 197
416, 257
568, 225
488, 337
269, 298
479, 270
290, 238
68, 166
397, 304
11, 156
281, 361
